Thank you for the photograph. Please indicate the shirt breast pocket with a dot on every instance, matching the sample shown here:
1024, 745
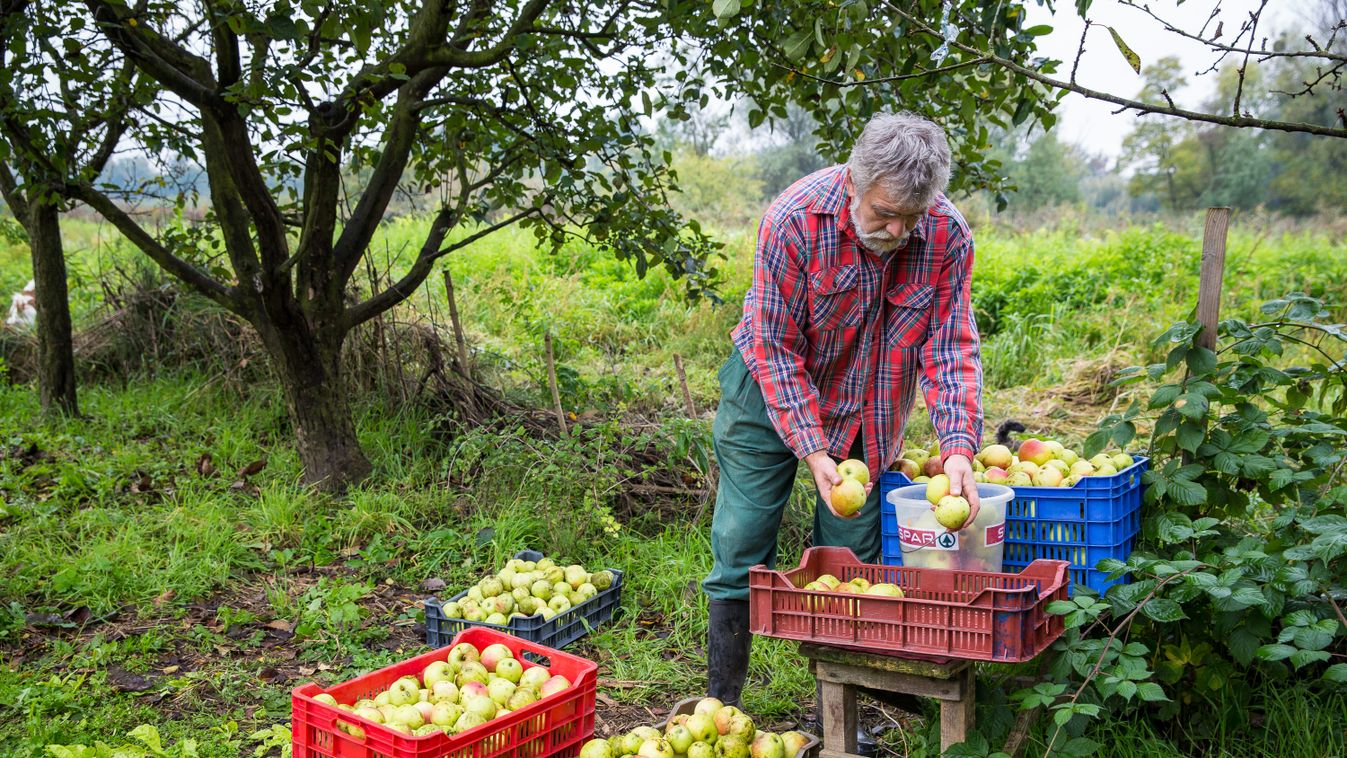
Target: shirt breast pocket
833, 302
909, 314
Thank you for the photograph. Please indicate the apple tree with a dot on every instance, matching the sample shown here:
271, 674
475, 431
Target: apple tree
308, 115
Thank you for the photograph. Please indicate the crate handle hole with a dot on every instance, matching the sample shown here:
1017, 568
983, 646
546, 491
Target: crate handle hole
537, 658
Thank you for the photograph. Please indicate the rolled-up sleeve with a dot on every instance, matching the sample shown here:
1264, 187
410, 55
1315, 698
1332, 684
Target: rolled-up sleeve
951, 377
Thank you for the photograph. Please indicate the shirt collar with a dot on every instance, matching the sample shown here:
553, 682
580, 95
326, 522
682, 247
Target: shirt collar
832, 199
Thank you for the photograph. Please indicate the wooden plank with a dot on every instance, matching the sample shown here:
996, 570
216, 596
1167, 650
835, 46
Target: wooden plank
890, 681
826, 753
839, 716
956, 716
892, 663
552, 383
1212, 275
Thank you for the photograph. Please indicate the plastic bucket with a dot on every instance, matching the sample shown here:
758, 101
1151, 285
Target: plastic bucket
926, 544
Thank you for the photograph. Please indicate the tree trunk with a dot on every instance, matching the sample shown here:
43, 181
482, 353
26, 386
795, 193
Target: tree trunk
55, 350
317, 401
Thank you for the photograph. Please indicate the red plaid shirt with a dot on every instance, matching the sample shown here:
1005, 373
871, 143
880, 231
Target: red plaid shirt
838, 337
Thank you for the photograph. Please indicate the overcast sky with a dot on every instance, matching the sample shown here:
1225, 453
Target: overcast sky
1091, 123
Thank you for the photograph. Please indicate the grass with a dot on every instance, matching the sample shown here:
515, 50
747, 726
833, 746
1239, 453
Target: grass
134, 588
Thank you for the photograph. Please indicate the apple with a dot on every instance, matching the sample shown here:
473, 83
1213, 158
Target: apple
427, 729
491, 587
1056, 447
523, 581
647, 733
860, 583
1102, 458
462, 652
576, 576
423, 695
587, 590
475, 594
437, 671
702, 725
370, 714
325, 698
731, 747
602, 580
933, 466
1122, 461
1108, 469
510, 669
1048, 476
403, 692
426, 708
631, 742
935, 449
494, 654
827, 580
553, 685
472, 671
723, 718
996, 456
398, 727
656, 748
1028, 467
496, 619
559, 604
534, 676
1081, 468
522, 696
908, 468
848, 497
921, 479
1035, 451
409, 715
952, 511
596, 748
937, 488
1072, 480
482, 706
1019, 479
679, 738
1060, 465
885, 589
678, 719
854, 469
767, 745
793, 742
978, 466
467, 721
701, 750
445, 714
1068, 456
996, 475
500, 690
472, 689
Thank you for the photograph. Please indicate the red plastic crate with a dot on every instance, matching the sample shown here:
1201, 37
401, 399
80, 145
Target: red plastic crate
971, 615
556, 725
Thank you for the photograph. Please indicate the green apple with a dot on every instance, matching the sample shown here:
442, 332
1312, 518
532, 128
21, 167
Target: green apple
601, 580
497, 619
1019, 479
462, 652
656, 748
937, 488
445, 714
325, 698
445, 691
541, 589
500, 690
679, 738
854, 469
885, 589
482, 706
952, 511
1122, 460
437, 671
724, 716
409, 715
631, 742
995, 456
534, 676
731, 747
793, 742
848, 497
559, 603
596, 748
491, 587
701, 750
767, 745
741, 726
522, 697
510, 669
471, 671
468, 721
370, 714
702, 725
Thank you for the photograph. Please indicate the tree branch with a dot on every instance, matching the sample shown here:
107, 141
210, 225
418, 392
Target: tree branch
186, 74
430, 252
142, 239
9, 190
1263, 53
1125, 102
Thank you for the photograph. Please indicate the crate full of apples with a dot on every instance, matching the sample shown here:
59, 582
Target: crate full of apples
703, 728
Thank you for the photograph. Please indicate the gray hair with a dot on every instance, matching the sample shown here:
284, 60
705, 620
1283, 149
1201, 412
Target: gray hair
907, 154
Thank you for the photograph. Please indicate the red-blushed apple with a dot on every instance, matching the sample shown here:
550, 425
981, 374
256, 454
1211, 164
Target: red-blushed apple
996, 475
1036, 451
933, 467
472, 689
494, 654
909, 468
553, 685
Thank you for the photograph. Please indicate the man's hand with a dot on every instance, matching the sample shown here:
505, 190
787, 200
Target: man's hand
824, 469
960, 472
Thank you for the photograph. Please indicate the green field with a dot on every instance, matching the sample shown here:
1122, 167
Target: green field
136, 589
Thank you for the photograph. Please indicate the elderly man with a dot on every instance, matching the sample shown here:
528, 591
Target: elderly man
860, 293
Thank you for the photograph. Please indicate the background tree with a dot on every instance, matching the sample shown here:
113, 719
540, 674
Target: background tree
55, 131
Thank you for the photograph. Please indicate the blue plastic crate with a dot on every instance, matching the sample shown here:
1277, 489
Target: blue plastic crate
558, 632
1096, 519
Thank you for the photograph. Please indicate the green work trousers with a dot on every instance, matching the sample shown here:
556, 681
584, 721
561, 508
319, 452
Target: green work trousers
757, 472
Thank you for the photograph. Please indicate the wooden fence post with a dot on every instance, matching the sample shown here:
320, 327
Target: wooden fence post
458, 326
1213, 273
552, 382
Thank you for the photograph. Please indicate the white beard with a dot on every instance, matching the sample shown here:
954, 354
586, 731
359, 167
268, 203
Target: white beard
877, 242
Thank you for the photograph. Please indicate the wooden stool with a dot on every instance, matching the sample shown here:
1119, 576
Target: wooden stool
840, 672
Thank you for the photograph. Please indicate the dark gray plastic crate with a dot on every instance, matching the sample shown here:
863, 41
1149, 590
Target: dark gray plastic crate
560, 631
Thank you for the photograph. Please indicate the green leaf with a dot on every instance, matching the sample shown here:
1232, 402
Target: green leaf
1201, 361
1038, 31
1275, 652
1190, 435
1151, 692
797, 46
1163, 610
1192, 404
725, 9
1336, 673
1133, 59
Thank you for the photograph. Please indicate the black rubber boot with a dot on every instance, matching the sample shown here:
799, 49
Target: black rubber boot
727, 645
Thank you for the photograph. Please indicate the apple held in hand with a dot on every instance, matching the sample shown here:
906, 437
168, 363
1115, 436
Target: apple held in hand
848, 497
952, 511
854, 469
